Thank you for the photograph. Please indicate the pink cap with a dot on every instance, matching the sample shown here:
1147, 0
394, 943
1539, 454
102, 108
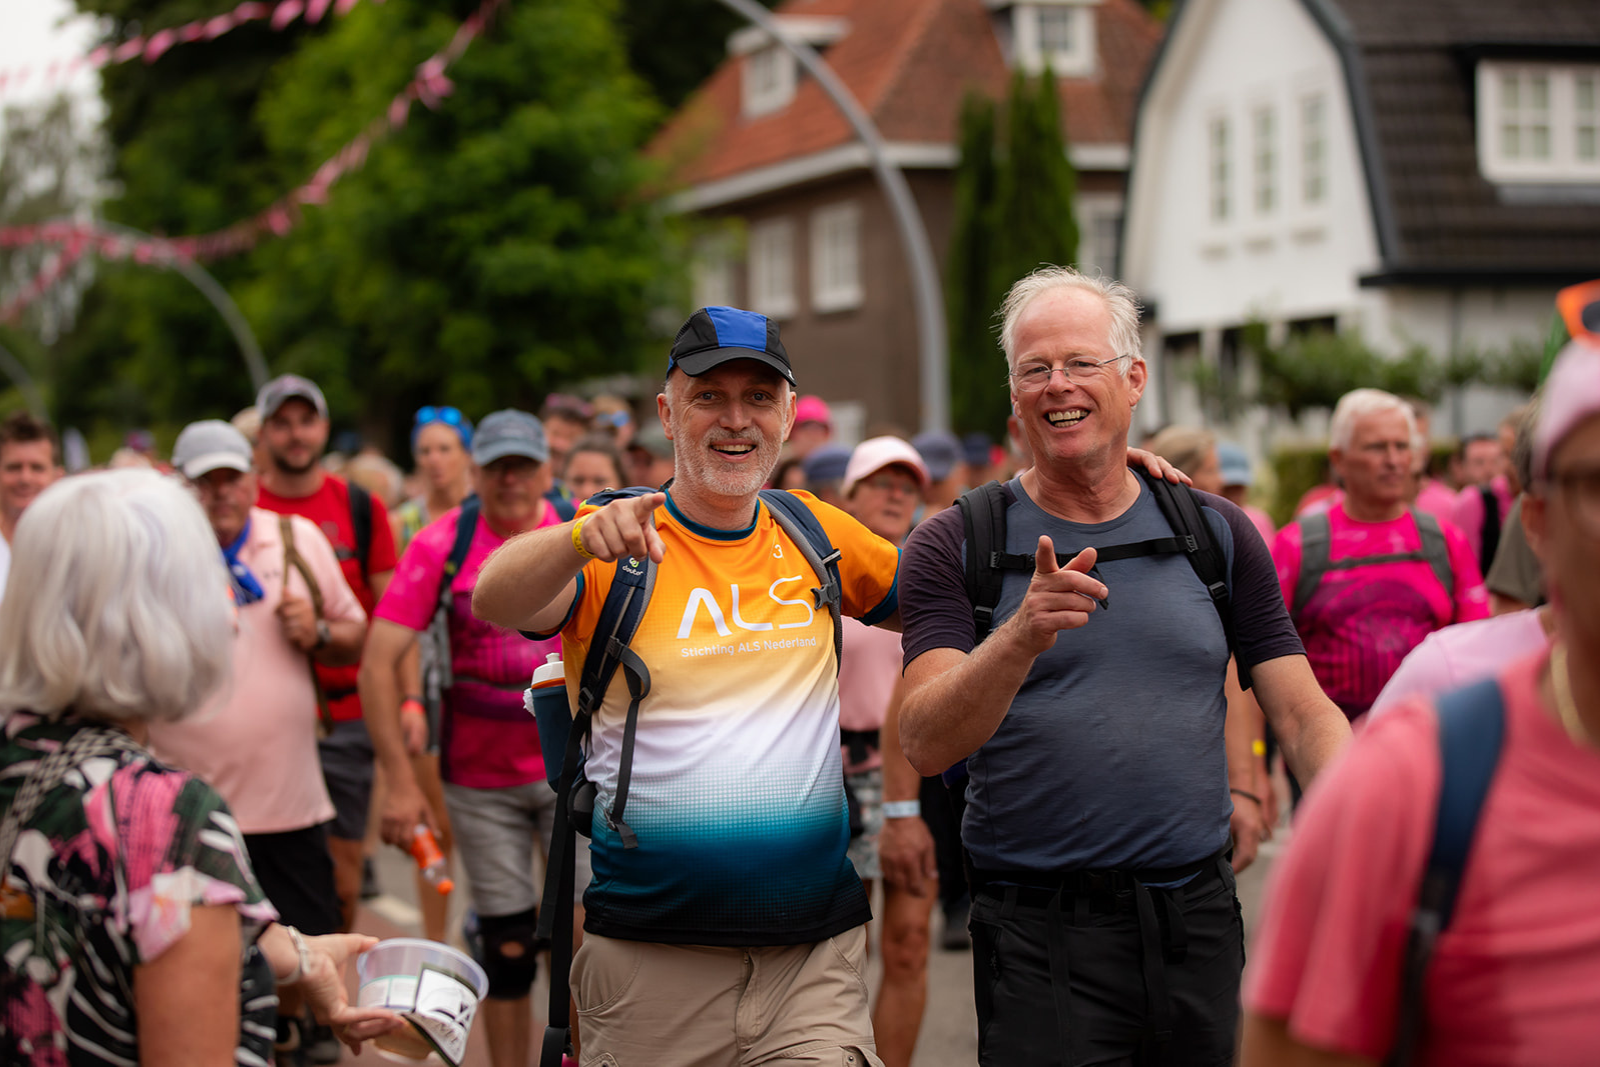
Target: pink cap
813, 409
876, 453
1571, 394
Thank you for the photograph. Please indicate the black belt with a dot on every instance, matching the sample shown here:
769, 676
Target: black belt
1074, 894
859, 743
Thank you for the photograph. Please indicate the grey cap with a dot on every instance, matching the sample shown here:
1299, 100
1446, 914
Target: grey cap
509, 433
210, 445
941, 450
286, 387
653, 439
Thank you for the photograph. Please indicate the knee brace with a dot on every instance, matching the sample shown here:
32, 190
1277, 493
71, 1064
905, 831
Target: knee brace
509, 953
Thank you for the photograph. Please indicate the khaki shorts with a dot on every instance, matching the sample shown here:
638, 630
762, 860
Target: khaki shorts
642, 1004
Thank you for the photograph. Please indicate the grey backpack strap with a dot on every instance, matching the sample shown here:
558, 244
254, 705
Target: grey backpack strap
1435, 551
1315, 536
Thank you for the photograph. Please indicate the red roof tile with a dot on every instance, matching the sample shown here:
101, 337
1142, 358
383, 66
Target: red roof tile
909, 62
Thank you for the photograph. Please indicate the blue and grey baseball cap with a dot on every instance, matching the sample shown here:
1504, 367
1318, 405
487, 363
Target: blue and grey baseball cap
715, 335
509, 432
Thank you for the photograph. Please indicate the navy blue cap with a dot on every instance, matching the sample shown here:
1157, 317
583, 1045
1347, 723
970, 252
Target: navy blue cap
940, 450
975, 448
826, 463
715, 335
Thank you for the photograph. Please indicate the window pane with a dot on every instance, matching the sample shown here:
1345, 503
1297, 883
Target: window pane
1265, 161
1539, 92
1539, 142
1313, 148
1219, 168
1586, 144
1511, 140
1055, 30
1583, 92
1509, 86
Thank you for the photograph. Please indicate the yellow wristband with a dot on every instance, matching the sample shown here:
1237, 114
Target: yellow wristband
1259, 747
577, 539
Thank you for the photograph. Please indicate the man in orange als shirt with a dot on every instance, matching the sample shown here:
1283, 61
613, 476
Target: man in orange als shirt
736, 925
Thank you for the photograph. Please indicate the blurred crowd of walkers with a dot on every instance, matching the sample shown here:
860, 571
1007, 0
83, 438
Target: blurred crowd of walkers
885, 671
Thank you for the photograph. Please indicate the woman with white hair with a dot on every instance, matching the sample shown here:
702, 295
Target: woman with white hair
131, 927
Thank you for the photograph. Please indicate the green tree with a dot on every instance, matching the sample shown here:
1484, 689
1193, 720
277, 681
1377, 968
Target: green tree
486, 250
674, 45
1014, 213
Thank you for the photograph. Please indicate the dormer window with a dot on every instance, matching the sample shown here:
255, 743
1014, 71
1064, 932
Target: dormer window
1057, 33
769, 80
1539, 122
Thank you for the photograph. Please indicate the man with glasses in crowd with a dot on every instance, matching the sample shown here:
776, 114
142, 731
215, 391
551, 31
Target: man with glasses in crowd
1105, 926
499, 803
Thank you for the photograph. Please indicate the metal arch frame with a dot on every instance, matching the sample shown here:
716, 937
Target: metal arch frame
926, 294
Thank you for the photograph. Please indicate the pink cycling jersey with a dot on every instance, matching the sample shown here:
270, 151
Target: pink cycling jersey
1360, 623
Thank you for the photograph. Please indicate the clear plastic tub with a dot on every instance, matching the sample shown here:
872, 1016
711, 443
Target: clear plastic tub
433, 986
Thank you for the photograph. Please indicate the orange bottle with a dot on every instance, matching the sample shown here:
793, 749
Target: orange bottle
430, 861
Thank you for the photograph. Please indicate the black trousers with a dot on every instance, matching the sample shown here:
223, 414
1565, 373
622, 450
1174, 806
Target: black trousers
1128, 976
296, 872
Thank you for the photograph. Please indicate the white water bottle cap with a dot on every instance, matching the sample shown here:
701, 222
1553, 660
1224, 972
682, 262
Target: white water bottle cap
551, 672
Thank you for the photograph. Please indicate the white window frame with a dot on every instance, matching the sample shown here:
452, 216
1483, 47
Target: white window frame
769, 80
1314, 149
1097, 213
771, 266
712, 271
1264, 197
1562, 164
836, 257
1219, 169
1078, 60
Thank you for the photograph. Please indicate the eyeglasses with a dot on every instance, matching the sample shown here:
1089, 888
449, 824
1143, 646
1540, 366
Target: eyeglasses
1580, 488
890, 483
451, 417
1579, 306
1036, 376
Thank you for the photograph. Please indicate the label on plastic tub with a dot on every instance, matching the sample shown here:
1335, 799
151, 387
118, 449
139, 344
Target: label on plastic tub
438, 1005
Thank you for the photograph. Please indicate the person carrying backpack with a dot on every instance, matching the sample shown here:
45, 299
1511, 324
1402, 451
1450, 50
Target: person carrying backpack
500, 805
1066, 637
1369, 578
1437, 902
724, 923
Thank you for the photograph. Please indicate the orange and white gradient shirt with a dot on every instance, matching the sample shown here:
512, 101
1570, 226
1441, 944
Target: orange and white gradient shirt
737, 793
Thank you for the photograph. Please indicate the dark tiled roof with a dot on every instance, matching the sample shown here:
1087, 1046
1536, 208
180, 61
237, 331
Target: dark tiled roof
1437, 214
909, 62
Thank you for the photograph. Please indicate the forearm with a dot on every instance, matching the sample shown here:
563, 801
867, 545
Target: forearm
381, 695
526, 576
955, 702
282, 954
1310, 727
345, 638
900, 780
1240, 730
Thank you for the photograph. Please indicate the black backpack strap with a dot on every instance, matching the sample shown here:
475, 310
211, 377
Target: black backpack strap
1181, 509
1315, 537
1489, 536
466, 526
983, 515
1471, 732
361, 520
797, 521
438, 671
1437, 552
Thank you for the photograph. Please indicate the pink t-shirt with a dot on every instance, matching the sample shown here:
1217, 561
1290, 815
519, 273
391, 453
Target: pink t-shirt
867, 673
1361, 622
256, 742
1263, 523
1460, 655
1514, 979
1468, 513
1438, 500
489, 741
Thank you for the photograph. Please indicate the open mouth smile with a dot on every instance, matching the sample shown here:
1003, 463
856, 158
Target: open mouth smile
1067, 418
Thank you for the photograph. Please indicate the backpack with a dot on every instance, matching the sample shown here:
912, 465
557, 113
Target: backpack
361, 523
1489, 536
438, 673
619, 619
1471, 730
983, 514
1316, 535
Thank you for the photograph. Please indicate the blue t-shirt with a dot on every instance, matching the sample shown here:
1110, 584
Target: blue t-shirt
1112, 754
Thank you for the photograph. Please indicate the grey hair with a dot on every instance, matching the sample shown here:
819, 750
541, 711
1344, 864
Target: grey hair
117, 606
1356, 405
1120, 302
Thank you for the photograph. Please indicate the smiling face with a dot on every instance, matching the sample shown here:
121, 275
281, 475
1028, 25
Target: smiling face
727, 427
27, 468
1074, 420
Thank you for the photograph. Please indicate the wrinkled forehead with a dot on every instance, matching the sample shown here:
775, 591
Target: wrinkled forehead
734, 374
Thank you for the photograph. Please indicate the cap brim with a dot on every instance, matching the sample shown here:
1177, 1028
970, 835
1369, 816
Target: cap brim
200, 466
317, 404
501, 449
699, 363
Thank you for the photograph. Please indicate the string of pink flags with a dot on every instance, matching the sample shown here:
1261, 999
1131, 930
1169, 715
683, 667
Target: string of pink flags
428, 87
151, 47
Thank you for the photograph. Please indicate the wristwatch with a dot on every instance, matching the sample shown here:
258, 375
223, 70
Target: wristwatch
324, 635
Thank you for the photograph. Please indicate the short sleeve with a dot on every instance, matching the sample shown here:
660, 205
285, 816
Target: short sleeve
868, 565
183, 850
1469, 598
1329, 949
1261, 622
381, 556
934, 609
339, 603
413, 591
1467, 515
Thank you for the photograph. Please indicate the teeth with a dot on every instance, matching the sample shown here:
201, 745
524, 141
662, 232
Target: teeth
1065, 418
736, 450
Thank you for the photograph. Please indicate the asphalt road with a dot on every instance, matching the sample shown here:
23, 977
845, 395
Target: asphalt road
949, 1025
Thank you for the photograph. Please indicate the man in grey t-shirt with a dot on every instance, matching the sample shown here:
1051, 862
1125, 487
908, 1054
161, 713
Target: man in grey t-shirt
1104, 922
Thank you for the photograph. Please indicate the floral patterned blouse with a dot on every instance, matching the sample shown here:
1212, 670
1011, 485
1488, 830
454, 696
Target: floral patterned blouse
101, 880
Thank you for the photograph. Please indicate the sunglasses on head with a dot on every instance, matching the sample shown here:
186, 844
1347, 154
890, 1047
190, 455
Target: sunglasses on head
427, 416
1579, 306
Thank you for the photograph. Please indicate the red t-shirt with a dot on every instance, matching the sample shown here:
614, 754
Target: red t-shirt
1514, 978
329, 508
